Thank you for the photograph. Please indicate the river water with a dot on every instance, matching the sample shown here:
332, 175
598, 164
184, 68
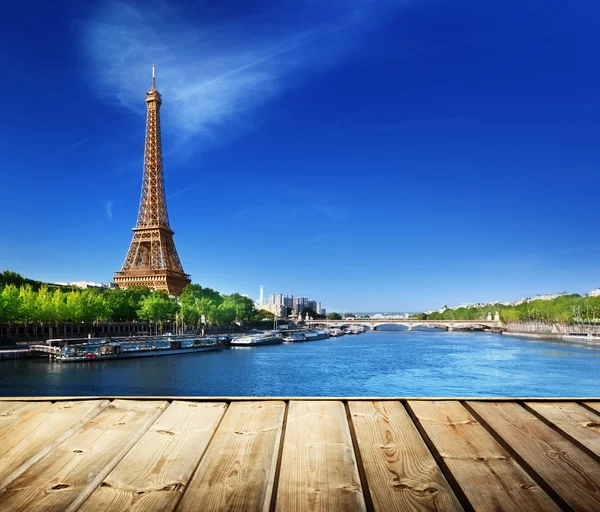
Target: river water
382, 363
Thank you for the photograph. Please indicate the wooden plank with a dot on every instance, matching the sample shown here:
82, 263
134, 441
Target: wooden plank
489, 478
79, 464
28, 441
401, 472
577, 421
14, 415
238, 469
155, 473
573, 474
318, 466
593, 405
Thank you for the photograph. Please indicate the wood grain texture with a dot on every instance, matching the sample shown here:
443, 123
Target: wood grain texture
60, 478
238, 468
28, 440
573, 419
401, 472
155, 473
488, 476
574, 475
318, 466
593, 405
15, 415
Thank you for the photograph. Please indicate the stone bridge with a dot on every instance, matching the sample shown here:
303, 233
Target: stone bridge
449, 325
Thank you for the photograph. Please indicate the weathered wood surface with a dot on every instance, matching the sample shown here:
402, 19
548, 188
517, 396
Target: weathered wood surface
573, 474
573, 419
595, 406
318, 466
32, 437
107, 454
486, 473
400, 469
154, 474
238, 469
56, 481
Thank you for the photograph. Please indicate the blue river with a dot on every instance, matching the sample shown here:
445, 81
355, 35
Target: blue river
382, 363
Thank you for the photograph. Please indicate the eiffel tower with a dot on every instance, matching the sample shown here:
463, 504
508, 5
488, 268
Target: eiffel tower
152, 259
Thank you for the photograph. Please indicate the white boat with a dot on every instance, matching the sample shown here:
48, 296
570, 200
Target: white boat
335, 332
255, 340
311, 335
355, 329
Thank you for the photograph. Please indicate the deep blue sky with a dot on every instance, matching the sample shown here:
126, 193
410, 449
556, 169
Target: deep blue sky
375, 155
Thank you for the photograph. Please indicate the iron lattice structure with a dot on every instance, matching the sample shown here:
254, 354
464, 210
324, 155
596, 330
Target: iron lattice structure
152, 259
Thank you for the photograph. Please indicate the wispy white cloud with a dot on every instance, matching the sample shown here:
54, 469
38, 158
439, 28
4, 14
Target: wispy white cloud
108, 209
69, 148
213, 74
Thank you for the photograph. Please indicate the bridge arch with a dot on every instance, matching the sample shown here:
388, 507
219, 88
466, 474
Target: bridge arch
411, 324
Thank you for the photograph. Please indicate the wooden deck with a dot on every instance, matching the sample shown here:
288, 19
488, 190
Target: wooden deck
205, 454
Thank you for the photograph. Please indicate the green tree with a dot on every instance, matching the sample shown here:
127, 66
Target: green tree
8, 277
157, 307
224, 314
11, 304
242, 306
59, 309
197, 302
122, 304
28, 307
334, 316
45, 307
262, 314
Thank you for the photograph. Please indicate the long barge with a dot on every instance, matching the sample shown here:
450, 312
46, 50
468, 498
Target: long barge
102, 351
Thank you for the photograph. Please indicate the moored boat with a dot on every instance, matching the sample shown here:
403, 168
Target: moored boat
255, 340
102, 351
354, 329
309, 335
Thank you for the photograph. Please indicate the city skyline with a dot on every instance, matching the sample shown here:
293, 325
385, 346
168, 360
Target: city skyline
381, 157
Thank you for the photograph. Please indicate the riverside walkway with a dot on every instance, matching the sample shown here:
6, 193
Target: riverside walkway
163, 454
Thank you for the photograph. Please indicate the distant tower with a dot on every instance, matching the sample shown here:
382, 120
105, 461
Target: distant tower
262, 294
152, 259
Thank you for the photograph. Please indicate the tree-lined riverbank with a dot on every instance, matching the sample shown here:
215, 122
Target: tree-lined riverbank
568, 311
32, 305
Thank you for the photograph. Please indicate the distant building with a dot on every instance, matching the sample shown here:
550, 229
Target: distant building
301, 303
87, 284
595, 293
548, 296
277, 309
278, 302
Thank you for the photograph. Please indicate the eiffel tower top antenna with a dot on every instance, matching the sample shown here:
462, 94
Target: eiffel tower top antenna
153, 80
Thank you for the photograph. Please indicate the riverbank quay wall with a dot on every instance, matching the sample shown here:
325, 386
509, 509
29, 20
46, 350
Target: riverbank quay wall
299, 453
19, 333
541, 327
